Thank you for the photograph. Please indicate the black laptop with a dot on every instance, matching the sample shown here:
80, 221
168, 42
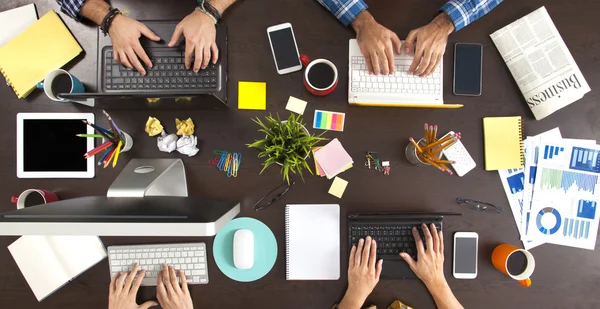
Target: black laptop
393, 234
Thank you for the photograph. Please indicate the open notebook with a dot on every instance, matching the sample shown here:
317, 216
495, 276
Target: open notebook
503, 142
50, 262
312, 242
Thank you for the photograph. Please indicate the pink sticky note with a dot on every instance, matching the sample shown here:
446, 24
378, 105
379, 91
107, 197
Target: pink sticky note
333, 158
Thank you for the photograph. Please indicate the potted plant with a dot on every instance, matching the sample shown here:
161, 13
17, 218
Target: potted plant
287, 143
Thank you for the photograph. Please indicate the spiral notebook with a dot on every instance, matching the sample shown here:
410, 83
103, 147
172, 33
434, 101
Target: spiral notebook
503, 143
45, 46
312, 235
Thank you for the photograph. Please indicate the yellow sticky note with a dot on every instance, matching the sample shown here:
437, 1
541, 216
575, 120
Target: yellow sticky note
252, 95
338, 187
296, 105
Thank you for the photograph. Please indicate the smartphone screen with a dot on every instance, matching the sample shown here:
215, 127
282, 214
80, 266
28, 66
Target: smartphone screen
284, 48
465, 255
467, 69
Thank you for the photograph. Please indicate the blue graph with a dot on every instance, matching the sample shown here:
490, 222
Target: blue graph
586, 209
550, 151
585, 159
516, 182
558, 179
551, 212
578, 229
532, 171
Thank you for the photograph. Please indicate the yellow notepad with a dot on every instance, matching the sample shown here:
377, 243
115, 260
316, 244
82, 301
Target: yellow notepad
252, 95
45, 46
503, 138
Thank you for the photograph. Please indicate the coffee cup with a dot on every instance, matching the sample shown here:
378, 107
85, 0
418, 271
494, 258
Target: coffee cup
34, 197
320, 76
514, 262
60, 81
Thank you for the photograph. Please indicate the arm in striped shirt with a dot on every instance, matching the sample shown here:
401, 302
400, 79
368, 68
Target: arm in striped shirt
464, 12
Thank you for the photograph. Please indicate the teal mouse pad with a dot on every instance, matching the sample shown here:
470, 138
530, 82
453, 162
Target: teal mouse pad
265, 250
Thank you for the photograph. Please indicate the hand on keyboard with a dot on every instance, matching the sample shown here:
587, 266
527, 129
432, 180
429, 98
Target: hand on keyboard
429, 43
123, 289
169, 292
200, 35
430, 265
363, 271
125, 33
377, 43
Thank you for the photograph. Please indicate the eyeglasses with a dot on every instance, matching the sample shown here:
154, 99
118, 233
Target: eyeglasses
479, 206
273, 195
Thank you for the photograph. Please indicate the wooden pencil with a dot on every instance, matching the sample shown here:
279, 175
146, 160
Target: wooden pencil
97, 149
434, 144
412, 140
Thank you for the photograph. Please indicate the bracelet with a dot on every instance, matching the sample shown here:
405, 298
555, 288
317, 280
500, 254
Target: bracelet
108, 19
208, 8
200, 9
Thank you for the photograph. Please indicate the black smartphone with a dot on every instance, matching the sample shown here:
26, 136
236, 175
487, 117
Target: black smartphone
468, 62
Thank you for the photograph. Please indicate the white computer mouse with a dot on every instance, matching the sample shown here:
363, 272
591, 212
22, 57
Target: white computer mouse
243, 249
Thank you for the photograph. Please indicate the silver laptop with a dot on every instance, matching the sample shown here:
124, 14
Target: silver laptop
397, 89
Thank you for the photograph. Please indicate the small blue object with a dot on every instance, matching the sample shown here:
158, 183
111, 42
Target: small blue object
265, 250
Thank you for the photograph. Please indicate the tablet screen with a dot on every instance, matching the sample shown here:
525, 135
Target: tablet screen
52, 145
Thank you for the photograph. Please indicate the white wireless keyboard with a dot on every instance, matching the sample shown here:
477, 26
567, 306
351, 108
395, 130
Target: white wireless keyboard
398, 82
189, 257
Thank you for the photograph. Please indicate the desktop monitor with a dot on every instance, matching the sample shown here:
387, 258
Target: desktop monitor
122, 216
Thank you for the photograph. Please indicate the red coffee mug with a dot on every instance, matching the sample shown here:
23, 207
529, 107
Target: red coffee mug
47, 196
311, 88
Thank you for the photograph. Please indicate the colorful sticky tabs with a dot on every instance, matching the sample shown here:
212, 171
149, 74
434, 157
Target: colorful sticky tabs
338, 187
325, 120
296, 105
252, 95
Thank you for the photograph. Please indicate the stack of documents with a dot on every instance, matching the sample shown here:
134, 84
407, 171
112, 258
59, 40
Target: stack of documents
332, 159
554, 197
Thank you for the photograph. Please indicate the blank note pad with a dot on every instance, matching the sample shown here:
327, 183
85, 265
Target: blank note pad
312, 242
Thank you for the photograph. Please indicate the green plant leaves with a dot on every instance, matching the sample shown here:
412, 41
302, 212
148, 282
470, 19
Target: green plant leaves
286, 142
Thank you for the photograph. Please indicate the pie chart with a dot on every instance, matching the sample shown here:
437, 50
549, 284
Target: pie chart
545, 218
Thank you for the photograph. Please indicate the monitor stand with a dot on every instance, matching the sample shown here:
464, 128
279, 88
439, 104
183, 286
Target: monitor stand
150, 177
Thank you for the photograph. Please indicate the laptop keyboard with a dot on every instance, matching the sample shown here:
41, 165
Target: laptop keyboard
167, 73
391, 238
398, 82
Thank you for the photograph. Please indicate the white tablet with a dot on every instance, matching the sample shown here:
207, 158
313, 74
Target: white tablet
48, 146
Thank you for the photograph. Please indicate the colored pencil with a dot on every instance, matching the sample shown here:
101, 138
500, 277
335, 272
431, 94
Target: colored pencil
118, 131
91, 135
102, 131
109, 157
105, 154
97, 149
117, 151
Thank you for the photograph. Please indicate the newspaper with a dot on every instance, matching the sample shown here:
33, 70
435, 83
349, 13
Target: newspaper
540, 63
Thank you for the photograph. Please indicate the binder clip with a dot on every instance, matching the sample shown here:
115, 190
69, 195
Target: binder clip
386, 167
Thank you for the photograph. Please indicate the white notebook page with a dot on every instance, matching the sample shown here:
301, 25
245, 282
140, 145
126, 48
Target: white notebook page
313, 242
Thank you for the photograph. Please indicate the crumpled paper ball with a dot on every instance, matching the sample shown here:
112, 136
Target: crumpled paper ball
187, 145
185, 127
167, 142
153, 126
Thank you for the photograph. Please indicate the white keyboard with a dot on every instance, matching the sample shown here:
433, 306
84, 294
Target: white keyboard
189, 257
398, 82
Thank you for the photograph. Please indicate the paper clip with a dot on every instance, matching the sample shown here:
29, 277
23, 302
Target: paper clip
227, 168
221, 164
219, 152
237, 159
214, 161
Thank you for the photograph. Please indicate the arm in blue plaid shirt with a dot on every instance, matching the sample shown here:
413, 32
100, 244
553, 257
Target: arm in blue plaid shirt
461, 12
71, 7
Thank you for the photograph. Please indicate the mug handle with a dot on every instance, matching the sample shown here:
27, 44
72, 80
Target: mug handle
14, 199
526, 282
305, 60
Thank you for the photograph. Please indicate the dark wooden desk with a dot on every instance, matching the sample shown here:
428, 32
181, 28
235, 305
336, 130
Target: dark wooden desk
563, 277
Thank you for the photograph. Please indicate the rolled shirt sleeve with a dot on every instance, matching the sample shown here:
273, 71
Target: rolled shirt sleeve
464, 12
344, 10
71, 7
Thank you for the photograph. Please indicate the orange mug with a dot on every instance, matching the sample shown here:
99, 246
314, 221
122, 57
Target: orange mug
514, 262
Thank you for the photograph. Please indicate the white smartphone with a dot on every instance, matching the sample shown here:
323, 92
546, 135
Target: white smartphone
284, 48
464, 264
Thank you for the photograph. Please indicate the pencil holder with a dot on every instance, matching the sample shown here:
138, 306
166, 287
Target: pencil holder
128, 141
411, 153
